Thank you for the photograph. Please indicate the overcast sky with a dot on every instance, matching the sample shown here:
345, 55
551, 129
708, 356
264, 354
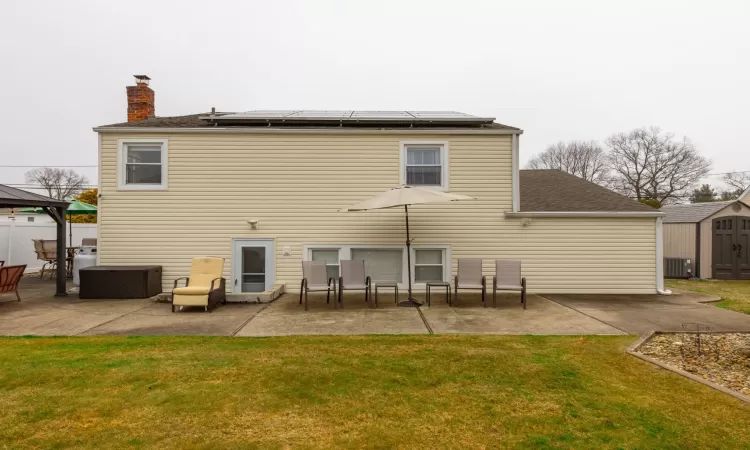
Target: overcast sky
557, 69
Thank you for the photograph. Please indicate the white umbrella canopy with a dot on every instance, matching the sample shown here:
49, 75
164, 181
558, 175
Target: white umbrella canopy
405, 195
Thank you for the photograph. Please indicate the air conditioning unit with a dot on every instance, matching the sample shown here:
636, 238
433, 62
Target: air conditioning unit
678, 268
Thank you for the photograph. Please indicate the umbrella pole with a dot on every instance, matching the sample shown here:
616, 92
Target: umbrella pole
410, 300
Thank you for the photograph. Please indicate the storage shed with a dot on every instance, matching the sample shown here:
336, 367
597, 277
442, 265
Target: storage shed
715, 235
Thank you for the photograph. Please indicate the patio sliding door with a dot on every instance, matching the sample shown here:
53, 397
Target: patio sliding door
253, 265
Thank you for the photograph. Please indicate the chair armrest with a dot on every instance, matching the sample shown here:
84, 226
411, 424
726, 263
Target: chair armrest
221, 282
187, 280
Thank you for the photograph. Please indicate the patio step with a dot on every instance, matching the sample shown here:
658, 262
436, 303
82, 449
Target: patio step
240, 297
263, 297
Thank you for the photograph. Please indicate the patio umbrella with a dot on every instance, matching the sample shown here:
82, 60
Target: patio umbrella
76, 207
405, 195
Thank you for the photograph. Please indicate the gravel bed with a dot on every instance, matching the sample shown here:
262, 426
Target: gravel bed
723, 358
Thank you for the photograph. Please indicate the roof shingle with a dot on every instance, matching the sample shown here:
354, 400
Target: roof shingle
558, 191
692, 212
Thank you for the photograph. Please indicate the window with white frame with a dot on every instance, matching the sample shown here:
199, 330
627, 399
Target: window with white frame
386, 263
424, 164
143, 164
428, 265
331, 258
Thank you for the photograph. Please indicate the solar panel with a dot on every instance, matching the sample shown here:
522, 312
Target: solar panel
349, 116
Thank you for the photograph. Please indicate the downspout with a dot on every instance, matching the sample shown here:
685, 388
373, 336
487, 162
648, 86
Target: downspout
516, 197
698, 250
99, 196
660, 259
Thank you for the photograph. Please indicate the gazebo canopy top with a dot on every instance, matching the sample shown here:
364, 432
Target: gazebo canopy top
14, 198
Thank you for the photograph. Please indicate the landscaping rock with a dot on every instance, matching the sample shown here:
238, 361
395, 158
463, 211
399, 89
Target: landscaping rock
723, 358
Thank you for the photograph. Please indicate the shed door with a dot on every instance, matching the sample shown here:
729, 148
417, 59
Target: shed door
731, 241
723, 252
743, 248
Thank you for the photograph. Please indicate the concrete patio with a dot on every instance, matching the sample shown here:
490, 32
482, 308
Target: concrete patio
40, 313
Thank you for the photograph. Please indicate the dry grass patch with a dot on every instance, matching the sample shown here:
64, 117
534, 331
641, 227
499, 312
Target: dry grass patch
353, 392
735, 294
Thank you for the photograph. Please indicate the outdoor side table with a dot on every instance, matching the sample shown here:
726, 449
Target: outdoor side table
440, 284
388, 285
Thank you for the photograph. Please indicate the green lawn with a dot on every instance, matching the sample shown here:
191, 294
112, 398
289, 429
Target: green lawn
354, 392
735, 294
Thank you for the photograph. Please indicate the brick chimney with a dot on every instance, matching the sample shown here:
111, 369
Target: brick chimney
140, 99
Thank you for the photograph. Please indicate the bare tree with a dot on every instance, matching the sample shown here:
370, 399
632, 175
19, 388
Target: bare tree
651, 165
738, 182
584, 159
59, 183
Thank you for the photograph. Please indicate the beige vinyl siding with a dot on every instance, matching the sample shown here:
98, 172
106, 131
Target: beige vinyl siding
294, 185
581, 255
706, 270
679, 240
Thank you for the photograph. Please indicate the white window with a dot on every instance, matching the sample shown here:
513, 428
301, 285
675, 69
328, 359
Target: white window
387, 262
428, 265
331, 257
142, 164
381, 264
424, 164
29, 219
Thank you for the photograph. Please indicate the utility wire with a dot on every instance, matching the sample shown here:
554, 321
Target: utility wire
43, 167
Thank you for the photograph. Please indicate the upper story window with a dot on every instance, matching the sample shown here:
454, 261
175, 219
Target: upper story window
142, 164
424, 164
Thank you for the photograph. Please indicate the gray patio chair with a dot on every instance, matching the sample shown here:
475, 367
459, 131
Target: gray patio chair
315, 279
46, 250
508, 278
353, 279
469, 277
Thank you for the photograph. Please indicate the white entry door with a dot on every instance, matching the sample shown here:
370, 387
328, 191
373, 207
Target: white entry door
253, 265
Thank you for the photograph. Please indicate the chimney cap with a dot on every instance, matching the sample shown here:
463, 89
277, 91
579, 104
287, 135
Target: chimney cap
142, 79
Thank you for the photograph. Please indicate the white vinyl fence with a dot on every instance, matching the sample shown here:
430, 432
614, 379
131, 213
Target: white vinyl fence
16, 246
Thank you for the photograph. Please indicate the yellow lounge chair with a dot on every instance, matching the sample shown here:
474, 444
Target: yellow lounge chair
204, 287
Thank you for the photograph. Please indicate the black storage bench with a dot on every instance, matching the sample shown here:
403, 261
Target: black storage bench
120, 282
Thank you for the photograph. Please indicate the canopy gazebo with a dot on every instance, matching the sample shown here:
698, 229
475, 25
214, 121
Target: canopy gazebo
16, 198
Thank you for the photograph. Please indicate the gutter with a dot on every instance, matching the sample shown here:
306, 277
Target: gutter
332, 130
524, 214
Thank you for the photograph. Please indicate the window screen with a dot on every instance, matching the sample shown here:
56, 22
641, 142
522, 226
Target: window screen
331, 257
381, 264
143, 164
424, 166
428, 265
